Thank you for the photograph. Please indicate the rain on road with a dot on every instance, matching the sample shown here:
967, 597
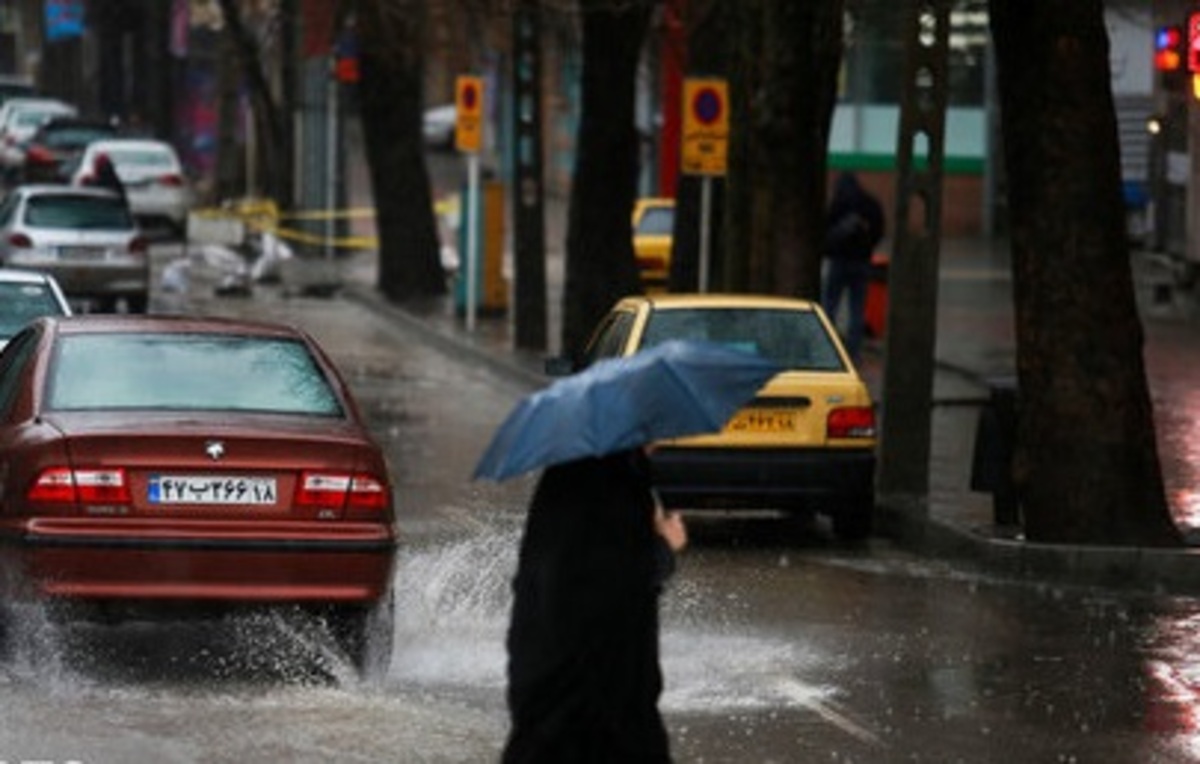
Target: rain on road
779, 645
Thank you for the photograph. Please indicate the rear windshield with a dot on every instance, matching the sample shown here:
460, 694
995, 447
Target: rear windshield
73, 137
794, 339
158, 159
196, 372
656, 221
21, 303
78, 211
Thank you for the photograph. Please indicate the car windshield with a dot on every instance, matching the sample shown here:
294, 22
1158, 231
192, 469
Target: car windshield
149, 158
656, 221
21, 303
795, 339
73, 137
78, 211
196, 372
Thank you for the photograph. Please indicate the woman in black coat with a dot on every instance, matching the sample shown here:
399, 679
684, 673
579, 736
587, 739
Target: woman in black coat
583, 672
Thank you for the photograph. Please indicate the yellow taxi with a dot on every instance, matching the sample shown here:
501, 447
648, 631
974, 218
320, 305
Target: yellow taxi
806, 443
653, 225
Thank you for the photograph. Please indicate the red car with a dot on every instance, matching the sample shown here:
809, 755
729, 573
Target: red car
181, 461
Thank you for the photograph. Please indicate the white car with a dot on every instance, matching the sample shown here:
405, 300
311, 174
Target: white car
85, 237
438, 126
26, 295
19, 120
150, 170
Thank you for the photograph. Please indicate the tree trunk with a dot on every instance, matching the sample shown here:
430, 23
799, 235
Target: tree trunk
392, 40
268, 120
600, 266
709, 47
1087, 467
786, 83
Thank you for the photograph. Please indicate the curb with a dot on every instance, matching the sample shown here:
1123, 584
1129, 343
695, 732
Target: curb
1158, 571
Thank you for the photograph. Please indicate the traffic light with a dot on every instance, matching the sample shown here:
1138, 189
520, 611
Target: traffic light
1168, 56
1168, 49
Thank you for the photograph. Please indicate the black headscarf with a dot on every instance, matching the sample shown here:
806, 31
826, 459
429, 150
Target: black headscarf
583, 671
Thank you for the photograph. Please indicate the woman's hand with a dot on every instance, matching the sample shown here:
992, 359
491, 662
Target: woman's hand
670, 526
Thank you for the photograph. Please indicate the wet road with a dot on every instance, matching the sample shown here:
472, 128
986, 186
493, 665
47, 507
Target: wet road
779, 645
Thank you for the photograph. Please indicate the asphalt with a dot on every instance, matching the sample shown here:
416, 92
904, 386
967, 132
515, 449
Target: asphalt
975, 349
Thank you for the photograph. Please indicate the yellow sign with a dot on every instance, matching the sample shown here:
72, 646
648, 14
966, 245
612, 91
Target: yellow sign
468, 105
705, 126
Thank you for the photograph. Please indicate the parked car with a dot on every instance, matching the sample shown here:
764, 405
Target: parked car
19, 119
57, 143
26, 295
438, 126
16, 86
806, 444
85, 237
175, 464
653, 231
152, 174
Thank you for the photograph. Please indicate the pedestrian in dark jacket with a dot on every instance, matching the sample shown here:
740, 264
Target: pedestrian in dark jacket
583, 670
105, 175
854, 227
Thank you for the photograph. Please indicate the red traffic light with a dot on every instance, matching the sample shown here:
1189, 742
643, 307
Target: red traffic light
1168, 48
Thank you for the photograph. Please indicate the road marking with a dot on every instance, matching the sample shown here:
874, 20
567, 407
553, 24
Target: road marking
803, 696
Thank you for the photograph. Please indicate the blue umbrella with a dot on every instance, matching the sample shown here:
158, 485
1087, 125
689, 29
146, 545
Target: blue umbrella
674, 389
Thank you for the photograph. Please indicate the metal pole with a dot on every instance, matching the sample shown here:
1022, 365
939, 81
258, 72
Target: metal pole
331, 165
472, 238
705, 214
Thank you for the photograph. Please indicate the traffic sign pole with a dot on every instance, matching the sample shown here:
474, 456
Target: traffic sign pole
705, 229
705, 139
468, 133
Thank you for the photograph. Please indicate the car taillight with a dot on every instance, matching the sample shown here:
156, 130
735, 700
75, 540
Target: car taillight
139, 245
87, 180
20, 241
171, 180
63, 485
339, 489
38, 155
856, 422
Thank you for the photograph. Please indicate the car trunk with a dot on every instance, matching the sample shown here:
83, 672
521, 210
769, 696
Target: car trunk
206, 469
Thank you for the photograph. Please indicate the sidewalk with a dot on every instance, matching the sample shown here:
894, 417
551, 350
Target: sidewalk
975, 344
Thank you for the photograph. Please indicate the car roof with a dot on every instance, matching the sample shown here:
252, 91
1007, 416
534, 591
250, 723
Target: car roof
693, 300
97, 323
19, 276
143, 144
51, 189
28, 102
70, 120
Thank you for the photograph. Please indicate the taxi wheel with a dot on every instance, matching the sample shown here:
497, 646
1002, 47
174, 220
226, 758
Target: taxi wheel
854, 519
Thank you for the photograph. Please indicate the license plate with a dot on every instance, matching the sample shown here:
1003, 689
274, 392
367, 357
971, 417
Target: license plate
81, 253
758, 420
211, 489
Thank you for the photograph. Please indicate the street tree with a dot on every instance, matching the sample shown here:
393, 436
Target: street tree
600, 266
271, 127
392, 40
784, 91
1086, 465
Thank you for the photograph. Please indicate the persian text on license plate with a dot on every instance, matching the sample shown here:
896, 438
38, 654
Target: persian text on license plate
211, 489
81, 253
758, 420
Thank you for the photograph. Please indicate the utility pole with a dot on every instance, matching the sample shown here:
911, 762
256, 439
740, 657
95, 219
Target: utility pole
903, 481
529, 230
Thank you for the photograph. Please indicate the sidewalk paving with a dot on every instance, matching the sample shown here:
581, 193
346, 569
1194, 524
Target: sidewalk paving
975, 344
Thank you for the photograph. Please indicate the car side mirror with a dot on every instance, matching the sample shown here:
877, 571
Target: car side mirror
559, 366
